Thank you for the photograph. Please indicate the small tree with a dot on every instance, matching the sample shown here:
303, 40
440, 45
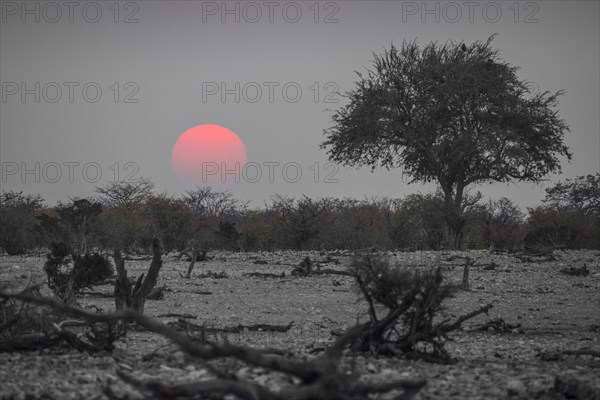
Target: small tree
228, 235
130, 194
361, 223
255, 230
80, 221
581, 194
418, 222
170, 220
17, 221
301, 218
570, 215
454, 114
208, 207
502, 223
123, 227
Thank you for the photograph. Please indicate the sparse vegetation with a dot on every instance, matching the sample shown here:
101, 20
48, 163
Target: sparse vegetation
69, 273
412, 299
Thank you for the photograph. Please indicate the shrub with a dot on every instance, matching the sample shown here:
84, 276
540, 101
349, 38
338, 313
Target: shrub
413, 299
572, 229
69, 274
17, 221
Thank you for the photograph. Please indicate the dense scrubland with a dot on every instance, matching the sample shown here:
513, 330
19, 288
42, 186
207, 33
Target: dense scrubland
132, 213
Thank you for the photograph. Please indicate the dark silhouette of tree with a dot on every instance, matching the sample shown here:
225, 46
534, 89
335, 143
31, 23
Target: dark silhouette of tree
581, 194
79, 220
302, 218
170, 220
207, 202
125, 193
17, 221
502, 223
454, 114
570, 216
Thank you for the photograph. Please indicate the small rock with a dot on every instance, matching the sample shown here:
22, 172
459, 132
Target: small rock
515, 387
179, 358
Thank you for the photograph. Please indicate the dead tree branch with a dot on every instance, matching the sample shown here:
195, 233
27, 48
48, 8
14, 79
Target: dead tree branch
319, 378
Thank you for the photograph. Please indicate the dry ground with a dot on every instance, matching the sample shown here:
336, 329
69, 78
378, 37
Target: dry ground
555, 312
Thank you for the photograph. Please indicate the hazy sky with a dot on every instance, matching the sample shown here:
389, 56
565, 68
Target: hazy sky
158, 65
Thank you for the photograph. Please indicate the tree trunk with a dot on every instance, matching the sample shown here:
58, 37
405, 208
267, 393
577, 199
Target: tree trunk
135, 299
193, 256
145, 286
466, 267
122, 283
454, 218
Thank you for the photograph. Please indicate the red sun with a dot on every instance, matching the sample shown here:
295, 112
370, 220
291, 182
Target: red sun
208, 155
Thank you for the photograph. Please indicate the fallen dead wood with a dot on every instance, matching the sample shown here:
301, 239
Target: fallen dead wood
308, 267
99, 294
319, 378
264, 275
582, 352
29, 342
214, 275
188, 326
97, 340
132, 257
498, 325
534, 254
574, 271
557, 355
177, 315
328, 271
200, 292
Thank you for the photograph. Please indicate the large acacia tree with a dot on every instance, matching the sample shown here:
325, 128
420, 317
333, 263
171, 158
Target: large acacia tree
455, 114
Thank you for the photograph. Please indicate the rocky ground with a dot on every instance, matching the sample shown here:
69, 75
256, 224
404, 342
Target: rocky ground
545, 311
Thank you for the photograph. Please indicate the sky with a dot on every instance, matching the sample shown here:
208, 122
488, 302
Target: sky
94, 92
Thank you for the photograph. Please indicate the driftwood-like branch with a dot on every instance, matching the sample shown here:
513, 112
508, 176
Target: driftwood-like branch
443, 327
243, 389
264, 275
234, 329
582, 352
203, 351
319, 377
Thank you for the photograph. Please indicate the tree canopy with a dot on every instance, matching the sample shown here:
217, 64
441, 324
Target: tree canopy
453, 113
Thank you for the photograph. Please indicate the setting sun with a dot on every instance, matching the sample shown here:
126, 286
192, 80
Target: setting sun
208, 154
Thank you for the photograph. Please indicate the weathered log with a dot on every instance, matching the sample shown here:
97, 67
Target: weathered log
317, 379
